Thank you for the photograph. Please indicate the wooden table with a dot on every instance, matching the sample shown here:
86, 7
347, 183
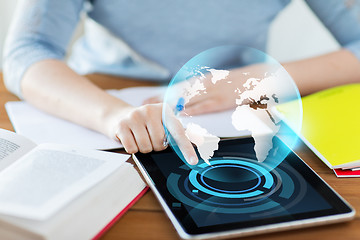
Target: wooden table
147, 220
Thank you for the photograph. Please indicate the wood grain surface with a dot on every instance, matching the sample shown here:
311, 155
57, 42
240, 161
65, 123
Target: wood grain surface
147, 220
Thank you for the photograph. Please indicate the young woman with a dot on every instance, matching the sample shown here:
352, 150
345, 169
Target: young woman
152, 40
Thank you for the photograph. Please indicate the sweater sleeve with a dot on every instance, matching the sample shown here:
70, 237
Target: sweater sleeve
342, 19
40, 29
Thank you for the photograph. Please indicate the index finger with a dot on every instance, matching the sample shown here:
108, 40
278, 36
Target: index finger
177, 132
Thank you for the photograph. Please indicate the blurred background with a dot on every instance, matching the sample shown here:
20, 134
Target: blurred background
295, 34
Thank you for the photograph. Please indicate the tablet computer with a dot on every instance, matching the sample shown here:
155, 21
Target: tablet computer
236, 196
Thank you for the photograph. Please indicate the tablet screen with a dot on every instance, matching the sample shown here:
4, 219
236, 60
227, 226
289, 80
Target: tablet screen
237, 191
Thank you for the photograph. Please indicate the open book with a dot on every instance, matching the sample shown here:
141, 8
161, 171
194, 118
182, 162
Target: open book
53, 191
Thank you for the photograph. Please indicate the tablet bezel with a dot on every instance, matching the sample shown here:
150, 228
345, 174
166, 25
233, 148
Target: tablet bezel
341, 210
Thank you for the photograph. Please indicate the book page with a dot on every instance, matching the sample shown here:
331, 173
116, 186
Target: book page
50, 176
12, 147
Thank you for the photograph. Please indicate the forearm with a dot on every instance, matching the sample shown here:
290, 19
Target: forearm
314, 74
53, 87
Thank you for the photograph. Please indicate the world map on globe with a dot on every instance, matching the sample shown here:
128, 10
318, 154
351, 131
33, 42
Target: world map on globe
255, 98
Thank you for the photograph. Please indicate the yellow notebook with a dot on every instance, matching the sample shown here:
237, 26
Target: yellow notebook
331, 125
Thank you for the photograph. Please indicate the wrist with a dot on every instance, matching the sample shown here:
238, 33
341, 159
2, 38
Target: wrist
111, 118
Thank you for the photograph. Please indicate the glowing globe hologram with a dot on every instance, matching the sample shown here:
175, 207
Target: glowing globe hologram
232, 91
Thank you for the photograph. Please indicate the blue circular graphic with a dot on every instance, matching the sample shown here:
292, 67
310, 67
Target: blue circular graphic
231, 166
191, 188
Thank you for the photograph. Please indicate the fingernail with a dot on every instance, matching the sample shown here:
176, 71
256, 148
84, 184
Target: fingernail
192, 161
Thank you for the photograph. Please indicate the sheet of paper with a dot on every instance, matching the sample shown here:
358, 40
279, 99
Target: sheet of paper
135, 96
41, 127
50, 176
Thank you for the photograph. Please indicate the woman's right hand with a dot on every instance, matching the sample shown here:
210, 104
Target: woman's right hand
140, 129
